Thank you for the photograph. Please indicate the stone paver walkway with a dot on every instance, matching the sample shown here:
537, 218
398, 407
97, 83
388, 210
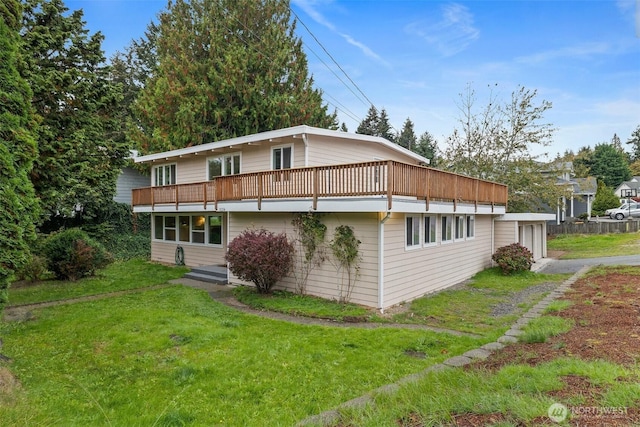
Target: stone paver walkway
483, 352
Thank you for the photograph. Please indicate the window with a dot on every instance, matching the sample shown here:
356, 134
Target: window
430, 229
413, 231
164, 175
170, 228
197, 229
281, 158
229, 164
215, 229
471, 226
459, 229
184, 228
446, 228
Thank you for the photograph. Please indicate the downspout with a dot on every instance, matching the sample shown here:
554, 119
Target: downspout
305, 140
493, 239
381, 261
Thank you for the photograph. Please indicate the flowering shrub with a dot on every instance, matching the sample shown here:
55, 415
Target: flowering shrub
513, 258
72, 254
261, 257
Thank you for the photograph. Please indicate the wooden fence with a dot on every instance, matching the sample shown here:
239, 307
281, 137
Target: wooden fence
594, 227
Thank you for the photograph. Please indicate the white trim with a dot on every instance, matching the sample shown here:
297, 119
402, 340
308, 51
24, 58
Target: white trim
222, 157
413, 245
275, 135
280, 147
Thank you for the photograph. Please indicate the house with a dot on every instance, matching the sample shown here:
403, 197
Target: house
129, 179
580, 192
629, 188
421, 229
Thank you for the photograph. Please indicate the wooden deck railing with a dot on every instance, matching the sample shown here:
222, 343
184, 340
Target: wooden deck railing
384, 178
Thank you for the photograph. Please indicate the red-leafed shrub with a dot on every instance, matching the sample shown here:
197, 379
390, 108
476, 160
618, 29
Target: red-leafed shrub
261, 257
513, 258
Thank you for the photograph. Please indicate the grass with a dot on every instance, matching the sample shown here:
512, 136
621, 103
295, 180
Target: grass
517, 392
541, 328
470, 309
118, 276
172, 356
302, 305
595, 245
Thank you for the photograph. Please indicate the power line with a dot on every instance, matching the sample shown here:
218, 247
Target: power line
332, 58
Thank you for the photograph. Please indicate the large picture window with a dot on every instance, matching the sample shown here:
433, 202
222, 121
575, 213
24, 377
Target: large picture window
164, 175
197, 229
229, 164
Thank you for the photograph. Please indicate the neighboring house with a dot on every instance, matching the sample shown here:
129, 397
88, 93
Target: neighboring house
580, 191
129, 179
629, 189
421, 229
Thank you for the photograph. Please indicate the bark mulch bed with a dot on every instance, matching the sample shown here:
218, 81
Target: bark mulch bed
606, 312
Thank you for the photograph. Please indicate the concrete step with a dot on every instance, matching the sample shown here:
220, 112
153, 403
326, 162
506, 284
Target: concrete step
208, 276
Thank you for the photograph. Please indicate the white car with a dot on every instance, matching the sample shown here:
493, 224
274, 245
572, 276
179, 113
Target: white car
624, 211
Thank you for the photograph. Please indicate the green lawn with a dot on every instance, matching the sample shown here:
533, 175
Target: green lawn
118, 276
172, 356
595, 245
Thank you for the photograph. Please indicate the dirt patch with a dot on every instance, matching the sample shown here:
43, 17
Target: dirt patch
8, 382
606, 312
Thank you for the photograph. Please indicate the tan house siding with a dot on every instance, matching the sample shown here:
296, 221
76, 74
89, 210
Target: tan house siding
325, 279
194, 255
331, 151
506, 233
411, 273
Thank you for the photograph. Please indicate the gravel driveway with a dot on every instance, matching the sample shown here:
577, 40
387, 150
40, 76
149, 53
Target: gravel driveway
573, 265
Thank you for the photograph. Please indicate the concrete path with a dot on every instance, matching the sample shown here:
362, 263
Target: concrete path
555, 266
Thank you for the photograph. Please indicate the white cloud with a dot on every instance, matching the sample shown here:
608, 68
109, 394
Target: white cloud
309, 7
582, 51
452, 34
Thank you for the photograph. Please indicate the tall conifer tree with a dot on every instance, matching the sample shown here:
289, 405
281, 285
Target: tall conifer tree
17, 152
226, 68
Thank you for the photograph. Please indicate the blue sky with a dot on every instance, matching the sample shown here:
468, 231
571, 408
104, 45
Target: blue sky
413, 58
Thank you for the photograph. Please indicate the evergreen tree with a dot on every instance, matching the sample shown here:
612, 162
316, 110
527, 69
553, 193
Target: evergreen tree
79, 161
427, 147
18, 149
370, 124
605, 199
634, 141
407, 137
225, 68
609, 164
384, 128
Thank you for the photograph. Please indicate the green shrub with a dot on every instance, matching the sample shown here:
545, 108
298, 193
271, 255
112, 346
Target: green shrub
128, 246
261, 257
513, 258
34, 269
72, 254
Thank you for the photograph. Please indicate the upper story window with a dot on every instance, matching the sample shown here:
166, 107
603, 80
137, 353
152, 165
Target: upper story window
229, 164
282, 157
164, 175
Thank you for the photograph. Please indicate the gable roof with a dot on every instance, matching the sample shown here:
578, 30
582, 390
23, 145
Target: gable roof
276, 134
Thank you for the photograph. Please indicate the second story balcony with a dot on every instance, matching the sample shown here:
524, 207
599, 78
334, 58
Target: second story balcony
386, 179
